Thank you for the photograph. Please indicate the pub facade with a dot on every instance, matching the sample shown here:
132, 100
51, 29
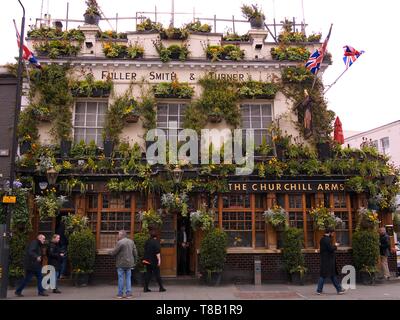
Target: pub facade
238, 202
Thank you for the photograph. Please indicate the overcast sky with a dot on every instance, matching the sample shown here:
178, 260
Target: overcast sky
364, 98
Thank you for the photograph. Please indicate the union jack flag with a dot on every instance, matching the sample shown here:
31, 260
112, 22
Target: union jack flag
351, 55
27, 54
314, 61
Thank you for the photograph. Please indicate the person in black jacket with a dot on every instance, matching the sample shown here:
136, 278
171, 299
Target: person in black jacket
55, 257
152, 261
384, 246
328, 262
183, 246
33, 266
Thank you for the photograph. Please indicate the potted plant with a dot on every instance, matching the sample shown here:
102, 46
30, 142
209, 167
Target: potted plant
324, 149
150, 219
92, 13
277, 217
202, 219
140, 239
65, 147
293, 258
49, 204
213, 255
108, 145
365, 245
175, 202
367, 219
131, 112
215, 115
82, 253
254, 15
25, 144
323, 218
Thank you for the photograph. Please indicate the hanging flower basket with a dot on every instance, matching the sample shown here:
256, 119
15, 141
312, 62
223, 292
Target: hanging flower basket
132, 118
215, 118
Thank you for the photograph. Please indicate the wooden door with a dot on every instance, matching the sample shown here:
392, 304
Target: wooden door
168, 246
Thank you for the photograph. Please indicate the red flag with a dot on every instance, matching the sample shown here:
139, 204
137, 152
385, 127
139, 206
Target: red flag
338, 131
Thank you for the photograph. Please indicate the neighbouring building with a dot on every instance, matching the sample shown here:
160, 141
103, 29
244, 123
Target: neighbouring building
112, 192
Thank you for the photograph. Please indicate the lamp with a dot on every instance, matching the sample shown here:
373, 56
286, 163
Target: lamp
51, 175
177, 174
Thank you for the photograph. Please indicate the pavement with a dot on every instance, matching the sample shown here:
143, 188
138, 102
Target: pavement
190, 290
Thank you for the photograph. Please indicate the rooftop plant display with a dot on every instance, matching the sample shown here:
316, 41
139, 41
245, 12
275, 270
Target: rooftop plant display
254, 15
173, 52
226, 52
173, 89
148, 25
114, 50
236, 37
174, 33
288, 35
92, 8
198, 27
56, 48
110, 34
290, 53
53, 34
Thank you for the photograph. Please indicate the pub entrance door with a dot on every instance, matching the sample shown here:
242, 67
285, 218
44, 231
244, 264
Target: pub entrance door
168, 246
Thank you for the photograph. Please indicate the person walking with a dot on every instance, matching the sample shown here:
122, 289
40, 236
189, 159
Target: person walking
126, 257
152, 261
384, 246
328, 262
33, 266
55, 257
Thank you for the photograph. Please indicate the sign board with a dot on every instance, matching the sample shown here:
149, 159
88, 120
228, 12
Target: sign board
286, 186
9, 199
4, 152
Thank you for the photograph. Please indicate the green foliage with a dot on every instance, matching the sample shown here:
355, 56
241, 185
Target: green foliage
82, 251
293, 242
147, 105
173, 89
216, 94
56, 48
20, 218
324, 218
140, 239
252, 12
148, 25
290, 53
198, 27
174, 33
110, 34
150, 219
92, 8
226, 52
120, 51
49, 33
236, 37
89, 87
276, 216
365, 250
257, 89
213, 250
202, 219
173, 52
49, 204
18, 245
74, 223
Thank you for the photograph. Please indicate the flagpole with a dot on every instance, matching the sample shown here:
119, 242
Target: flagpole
7, 234
330, 86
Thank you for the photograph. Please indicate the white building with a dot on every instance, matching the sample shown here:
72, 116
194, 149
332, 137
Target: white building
386, 138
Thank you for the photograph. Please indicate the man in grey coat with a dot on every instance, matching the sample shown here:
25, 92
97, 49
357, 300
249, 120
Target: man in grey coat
126, 257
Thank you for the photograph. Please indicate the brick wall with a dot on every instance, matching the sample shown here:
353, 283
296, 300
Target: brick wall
240, 267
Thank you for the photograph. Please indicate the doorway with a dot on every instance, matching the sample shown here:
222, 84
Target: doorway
184, 246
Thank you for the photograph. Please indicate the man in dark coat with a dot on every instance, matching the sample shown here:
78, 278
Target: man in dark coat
33, 266
55, 257
328, 262
183, 246
152, 261
384, 246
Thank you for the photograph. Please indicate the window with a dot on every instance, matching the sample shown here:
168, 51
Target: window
340, 209
170, 116
259, 118
89, 121
261, 206
385, 145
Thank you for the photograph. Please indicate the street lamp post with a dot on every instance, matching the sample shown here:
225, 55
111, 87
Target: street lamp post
7, 232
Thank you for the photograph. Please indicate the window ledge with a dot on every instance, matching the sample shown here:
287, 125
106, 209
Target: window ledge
103, 252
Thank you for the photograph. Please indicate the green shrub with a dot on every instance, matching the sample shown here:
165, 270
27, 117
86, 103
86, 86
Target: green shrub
82, 251
18, 244
213, 251
293, 259
140, 239
365, 250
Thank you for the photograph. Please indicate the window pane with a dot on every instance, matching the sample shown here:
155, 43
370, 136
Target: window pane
80, 108
91, 107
